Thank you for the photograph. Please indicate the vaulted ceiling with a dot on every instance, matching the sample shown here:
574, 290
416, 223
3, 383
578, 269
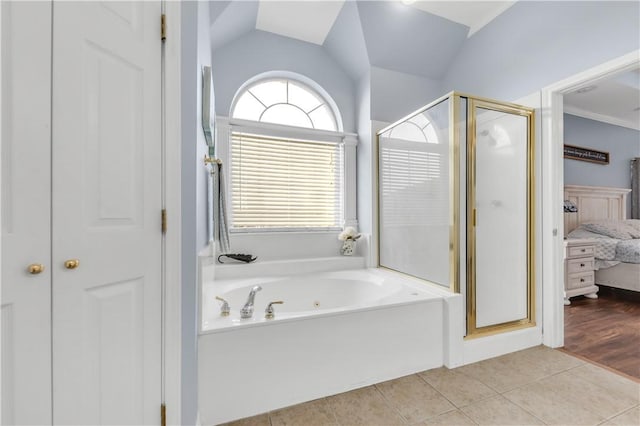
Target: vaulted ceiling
414, 37
360, 34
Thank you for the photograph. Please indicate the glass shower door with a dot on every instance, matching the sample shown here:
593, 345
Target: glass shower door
500, 244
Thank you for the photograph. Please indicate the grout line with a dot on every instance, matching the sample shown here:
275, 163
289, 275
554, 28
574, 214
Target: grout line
456, 406
388, 402
619, 414
330, 406
525, 410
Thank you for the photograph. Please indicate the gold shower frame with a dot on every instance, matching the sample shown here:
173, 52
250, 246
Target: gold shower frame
529, 319
454, 204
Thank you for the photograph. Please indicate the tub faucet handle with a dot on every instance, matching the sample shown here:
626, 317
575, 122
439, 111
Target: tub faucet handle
269, 312
247, 309
224, 307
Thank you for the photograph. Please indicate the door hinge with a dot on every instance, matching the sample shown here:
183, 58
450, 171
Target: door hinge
163, 27
473, 218
164, 221
163, 415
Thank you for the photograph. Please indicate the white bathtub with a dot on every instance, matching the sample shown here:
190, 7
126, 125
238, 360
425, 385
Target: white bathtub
336, 331
307, 296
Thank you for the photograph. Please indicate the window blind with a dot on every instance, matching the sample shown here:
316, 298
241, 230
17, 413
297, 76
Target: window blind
414, 183
285, 183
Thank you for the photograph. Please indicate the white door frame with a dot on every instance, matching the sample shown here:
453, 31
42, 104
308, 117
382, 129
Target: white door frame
0, 207
553, 189
172, 336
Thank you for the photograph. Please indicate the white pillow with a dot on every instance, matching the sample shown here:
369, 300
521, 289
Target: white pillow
633, 226
612, 229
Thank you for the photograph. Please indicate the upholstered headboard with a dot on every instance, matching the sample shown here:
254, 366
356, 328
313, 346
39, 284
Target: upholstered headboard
594, 203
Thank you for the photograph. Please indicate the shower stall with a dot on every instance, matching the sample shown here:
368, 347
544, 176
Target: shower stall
456, 205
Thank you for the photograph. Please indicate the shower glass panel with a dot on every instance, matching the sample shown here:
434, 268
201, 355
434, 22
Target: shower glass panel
500, 216
414, 194
456, 205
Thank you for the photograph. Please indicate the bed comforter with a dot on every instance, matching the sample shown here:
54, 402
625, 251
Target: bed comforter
615, 242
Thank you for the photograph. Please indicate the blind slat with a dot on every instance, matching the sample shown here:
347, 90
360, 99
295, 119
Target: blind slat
285, 183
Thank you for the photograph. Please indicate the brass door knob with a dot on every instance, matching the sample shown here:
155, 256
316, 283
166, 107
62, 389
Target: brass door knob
35, 268
72, 263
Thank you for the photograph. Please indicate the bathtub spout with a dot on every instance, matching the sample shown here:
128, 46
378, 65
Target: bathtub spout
247, 309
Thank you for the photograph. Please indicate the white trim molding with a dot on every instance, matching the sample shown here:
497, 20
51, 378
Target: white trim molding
225, 125
172, 324
569, 109
553, 188
349, 181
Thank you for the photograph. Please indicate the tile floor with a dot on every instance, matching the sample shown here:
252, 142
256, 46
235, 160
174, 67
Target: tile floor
531, 387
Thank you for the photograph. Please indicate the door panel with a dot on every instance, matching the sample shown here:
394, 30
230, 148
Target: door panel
106, 213
26, 173
501, 214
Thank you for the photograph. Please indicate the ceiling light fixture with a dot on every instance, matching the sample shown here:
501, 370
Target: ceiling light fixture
408, 2
587, 89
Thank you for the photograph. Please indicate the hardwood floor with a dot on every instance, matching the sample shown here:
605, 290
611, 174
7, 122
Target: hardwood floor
605, 330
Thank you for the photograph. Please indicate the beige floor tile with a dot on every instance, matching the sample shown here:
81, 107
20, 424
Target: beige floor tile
314, 413
499, 411
458, 388
451, 418
259, 420
364, 406
413, 398
520, 368
612, 382
546, 361
628, 418
500, 374
589, 396
543, 403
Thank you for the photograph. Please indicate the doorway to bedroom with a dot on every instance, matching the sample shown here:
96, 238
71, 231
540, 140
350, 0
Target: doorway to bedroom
601, 146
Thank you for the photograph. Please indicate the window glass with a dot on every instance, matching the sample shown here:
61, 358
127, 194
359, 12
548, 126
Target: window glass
286, 114
271, 92
287, 102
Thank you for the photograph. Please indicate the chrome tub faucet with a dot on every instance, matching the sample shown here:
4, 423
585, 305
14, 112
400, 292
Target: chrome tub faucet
247, 309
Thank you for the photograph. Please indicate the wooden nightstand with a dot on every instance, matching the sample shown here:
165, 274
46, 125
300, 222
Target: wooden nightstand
579, 265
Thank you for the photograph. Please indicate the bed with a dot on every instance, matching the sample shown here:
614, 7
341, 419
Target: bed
601, 216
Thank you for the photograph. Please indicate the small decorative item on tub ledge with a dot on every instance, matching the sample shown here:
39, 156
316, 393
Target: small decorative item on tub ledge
348, 236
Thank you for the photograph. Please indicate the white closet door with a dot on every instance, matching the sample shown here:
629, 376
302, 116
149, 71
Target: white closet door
26, 140
106, 212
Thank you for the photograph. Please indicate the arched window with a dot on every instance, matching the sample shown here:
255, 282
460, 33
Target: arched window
284, 101
417, 129
287, 176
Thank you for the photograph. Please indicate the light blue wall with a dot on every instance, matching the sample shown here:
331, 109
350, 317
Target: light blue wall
195, 52
621, 143
395, 94
345, 42
534, 44
258, 52
409, 40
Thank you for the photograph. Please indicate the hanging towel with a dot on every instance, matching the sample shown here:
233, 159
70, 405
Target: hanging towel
219, 206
